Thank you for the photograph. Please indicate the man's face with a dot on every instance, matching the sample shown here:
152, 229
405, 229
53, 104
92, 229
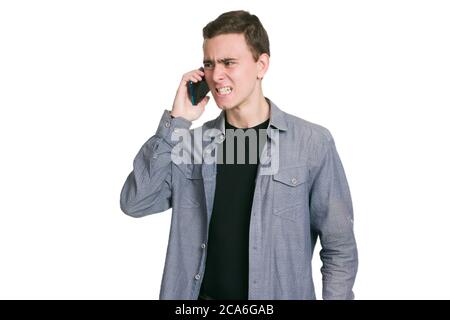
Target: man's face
229, 66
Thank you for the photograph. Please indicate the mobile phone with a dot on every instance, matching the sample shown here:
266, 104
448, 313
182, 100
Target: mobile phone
198, 90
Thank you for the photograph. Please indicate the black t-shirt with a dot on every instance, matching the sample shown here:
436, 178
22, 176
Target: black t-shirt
226, 273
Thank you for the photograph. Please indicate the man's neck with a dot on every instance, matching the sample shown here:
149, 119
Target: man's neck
250, 114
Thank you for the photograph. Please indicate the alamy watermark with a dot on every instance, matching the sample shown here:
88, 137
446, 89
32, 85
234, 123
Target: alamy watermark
192, 148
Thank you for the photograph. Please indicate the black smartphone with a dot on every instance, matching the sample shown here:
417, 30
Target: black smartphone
198, 90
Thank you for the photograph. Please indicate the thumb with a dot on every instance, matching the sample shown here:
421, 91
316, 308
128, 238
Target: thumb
204, 102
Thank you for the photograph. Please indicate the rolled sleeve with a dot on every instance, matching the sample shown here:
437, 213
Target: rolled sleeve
167, 125
332, 220
148, 188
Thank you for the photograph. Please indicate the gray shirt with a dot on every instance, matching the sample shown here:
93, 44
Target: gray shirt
301, 195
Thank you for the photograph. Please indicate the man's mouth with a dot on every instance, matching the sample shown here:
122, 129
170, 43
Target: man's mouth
223, 91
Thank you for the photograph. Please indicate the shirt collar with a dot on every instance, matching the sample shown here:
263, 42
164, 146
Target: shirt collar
277, 119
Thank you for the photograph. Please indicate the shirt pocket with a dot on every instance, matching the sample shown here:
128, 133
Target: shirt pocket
192, 191
290, 191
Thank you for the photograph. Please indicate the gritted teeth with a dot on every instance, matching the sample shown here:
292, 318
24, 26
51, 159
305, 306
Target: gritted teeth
224, 90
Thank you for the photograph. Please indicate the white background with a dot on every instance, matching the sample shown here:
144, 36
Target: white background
83, 85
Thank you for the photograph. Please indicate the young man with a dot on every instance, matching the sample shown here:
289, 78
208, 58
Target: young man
241, 230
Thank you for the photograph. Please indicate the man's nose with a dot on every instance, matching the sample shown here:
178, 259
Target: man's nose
218, 73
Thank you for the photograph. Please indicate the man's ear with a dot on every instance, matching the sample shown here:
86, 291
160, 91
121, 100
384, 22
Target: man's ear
262, 65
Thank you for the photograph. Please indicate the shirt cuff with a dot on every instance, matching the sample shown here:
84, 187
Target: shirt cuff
169, 124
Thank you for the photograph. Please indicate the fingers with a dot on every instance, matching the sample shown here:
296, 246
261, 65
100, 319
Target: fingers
194, 76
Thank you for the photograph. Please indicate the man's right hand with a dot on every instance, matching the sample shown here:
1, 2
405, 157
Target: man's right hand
182, 106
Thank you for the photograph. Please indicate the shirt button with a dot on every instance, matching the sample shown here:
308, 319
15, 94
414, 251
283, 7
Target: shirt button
221, 137
167, 124
203, 246
155, 156
176, 130
294, 181
197, 277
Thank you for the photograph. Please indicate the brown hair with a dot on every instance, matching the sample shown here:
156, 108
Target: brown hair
240, 22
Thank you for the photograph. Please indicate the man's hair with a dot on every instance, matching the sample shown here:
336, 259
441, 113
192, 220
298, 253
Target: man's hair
240, 22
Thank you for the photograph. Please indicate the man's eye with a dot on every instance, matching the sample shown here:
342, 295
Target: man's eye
228, 63
207, 65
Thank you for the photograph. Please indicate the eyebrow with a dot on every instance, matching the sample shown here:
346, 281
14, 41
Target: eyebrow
220, 60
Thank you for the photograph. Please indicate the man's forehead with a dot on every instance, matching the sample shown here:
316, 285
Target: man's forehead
225, 46
221, 54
